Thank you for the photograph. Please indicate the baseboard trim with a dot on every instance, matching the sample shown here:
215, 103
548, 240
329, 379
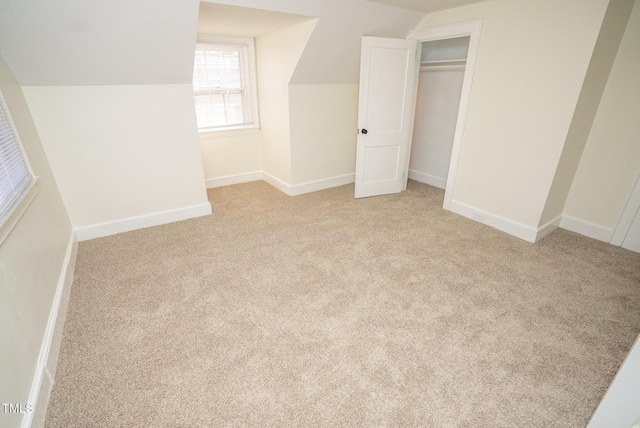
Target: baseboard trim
50, 348
548, 227
140, 222
230, 180
511, 227
326, 183
429, 179
277, 183
309, 186
586, 228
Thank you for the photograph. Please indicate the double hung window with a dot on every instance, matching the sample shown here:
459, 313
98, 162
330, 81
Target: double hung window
224, 85
16, 177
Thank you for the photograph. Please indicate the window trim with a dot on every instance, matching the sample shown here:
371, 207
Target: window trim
17, 209
210, 39
16, 206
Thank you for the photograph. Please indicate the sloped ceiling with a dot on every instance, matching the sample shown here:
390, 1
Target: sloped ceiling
427, 5
221, 19
332, 54
123, 42
99, 42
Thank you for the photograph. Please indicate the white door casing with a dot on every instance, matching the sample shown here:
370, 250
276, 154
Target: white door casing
627, 232
632, 239
462, 29
388, 72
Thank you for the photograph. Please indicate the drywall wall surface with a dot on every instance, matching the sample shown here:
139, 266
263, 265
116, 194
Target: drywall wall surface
31, 262
324, 123
610, 162
115, 42
120, 151
619, 407
277, 55
532, 60
332, 55
435, 123
333, 52
231, 153
604, 54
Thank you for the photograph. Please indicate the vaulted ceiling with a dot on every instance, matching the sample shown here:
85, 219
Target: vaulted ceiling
124, 42
427, 5
222, 19
99, 42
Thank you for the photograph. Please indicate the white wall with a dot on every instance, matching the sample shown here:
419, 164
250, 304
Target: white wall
435, 123
324, 123
278, 54
32, 266
231, 156
119, 152
620, 407
611, 159
595, 81
532, 60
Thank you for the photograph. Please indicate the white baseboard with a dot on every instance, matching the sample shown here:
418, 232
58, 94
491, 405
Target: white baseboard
50, 348
429, 179
511, 227
327, 183
277, 183
586, 228
230, 180
309, 186
548, 227
141, 222
528, 233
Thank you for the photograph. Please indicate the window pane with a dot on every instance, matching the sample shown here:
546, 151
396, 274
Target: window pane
220, 84
14, 170
234, 108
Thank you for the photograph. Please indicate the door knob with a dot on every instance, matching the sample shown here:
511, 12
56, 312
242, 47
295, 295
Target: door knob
364, 131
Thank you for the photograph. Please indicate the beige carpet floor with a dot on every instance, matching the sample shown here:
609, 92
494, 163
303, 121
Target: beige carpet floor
324, 310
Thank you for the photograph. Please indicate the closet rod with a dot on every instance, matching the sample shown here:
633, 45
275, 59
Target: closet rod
442, 67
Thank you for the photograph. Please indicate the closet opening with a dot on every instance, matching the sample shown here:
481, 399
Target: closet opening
440, 86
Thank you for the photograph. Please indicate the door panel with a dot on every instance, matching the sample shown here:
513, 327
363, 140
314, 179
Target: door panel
387, 85
378, 166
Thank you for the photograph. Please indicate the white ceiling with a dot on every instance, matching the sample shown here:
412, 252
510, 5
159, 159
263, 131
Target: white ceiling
427, 5
242, 21
332, 54
99, 42
124, 42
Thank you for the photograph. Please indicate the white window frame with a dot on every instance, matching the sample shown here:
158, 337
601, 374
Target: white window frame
210, 39
13, 208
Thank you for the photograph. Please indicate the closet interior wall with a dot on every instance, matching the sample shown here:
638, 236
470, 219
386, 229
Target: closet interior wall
442, 69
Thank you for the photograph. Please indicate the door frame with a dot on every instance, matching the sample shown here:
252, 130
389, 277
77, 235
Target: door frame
628, 214
472, 30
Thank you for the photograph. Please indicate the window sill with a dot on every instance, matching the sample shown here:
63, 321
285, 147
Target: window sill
226, 133
18, 210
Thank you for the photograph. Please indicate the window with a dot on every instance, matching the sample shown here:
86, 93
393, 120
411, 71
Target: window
224, 86
15, 173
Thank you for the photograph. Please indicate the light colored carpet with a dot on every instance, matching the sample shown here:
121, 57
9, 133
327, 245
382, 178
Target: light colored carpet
324, 310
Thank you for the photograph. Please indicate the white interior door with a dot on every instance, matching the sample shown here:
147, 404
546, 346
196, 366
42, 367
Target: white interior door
387, 102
